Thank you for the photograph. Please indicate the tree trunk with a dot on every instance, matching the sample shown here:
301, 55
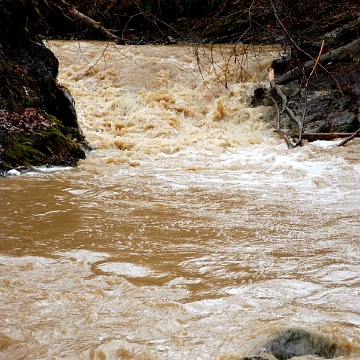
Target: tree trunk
346, 53
70, 11
325, 136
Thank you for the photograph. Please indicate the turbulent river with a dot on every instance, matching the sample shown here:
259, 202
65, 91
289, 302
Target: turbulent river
191, 231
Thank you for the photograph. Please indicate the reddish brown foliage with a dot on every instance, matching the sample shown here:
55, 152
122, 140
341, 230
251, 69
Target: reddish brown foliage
27, 121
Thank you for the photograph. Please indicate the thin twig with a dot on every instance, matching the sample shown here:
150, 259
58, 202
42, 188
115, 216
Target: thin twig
316, 62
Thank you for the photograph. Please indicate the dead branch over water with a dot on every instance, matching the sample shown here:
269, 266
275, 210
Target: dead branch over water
72, 12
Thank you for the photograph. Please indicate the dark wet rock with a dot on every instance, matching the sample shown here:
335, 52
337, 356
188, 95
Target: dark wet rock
294, 342
328, 110
38, 123
280, 65
332, 113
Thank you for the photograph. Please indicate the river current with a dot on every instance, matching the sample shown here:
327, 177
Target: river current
190, 231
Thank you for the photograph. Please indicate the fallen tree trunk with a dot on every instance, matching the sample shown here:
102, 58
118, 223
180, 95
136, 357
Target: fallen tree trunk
344, 53
326, 136
347, 139
71, 11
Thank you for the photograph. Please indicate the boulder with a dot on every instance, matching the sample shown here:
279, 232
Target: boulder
38, 122
292, 342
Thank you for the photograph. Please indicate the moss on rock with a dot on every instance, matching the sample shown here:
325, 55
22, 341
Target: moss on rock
32, 139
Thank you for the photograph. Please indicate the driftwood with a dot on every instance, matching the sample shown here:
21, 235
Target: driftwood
328, 136
355, 134
70, 11
341, 54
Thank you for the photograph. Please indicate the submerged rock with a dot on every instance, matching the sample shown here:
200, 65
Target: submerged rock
294, 342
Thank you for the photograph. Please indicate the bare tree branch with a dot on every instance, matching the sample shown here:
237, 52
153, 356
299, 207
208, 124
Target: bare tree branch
284, 109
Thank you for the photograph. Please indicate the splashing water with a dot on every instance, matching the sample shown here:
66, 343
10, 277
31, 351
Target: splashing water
190, 232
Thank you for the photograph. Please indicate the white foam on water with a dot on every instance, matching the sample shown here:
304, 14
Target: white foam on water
14, 172
84, 255
126, 269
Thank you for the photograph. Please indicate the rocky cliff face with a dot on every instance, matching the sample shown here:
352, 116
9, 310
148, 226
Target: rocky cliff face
38, 123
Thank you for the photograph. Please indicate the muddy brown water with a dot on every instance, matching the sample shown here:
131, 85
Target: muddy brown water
190, 232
